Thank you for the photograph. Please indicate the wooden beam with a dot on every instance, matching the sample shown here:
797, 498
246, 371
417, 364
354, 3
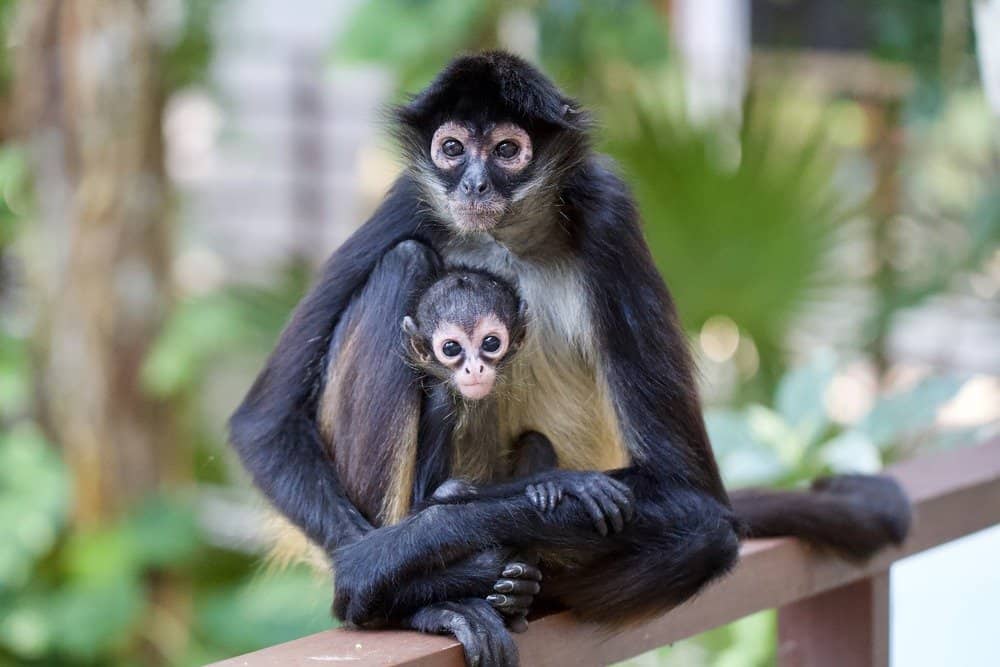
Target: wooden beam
954, 494
846, 626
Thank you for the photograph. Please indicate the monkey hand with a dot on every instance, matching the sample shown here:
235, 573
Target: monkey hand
515, 590
605, 499
476, 625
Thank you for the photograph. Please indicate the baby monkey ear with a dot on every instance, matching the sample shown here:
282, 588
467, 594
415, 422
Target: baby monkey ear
417, 346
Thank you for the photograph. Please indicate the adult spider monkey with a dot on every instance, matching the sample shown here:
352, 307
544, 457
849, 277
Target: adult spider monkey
501, 177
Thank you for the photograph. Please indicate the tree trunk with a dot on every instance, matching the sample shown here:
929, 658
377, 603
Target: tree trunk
90, 106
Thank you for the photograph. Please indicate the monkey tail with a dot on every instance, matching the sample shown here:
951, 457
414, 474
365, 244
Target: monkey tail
851, 515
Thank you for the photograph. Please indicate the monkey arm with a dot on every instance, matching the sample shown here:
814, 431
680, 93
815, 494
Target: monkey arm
274, 430
437, 422
641, 345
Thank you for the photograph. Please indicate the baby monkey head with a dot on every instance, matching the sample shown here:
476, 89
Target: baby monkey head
467, 325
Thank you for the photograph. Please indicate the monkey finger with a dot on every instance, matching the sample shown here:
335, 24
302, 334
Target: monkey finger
519, 570
625, 497
549, 505
554, 492
502, 601
621, 502
595, 512
535, 496
517, 622
517, 586
611, 511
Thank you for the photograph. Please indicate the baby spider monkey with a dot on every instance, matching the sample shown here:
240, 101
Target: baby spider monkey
467, 328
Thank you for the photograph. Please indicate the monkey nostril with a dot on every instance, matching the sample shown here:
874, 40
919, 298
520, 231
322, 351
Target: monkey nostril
467, 370
480, 369
481, 187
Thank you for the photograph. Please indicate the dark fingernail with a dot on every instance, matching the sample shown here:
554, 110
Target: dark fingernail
504, 587
513, 571
496, 599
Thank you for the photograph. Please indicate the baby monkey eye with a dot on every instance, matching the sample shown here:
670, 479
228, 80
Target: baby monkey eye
452, 147
506, 149
451, 349
491, 344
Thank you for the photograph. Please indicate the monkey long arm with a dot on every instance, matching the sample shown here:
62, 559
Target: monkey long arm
274, 429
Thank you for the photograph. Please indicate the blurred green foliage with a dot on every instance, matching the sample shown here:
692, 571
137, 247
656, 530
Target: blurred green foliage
739, 226
575, 39
187, 56
795, 439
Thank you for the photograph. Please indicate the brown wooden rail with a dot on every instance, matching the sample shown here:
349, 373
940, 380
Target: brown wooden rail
830, 612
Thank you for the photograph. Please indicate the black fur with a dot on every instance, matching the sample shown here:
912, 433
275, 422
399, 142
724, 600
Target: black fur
684, 533
851, 515
275, 428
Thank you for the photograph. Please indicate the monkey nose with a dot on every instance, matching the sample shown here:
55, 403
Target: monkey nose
475, 186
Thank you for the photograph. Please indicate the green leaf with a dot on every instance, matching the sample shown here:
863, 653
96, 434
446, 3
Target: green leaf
165, 532
769, 428
383, 31
34, 498
742, 228
743, 460
851, 452
800, 395
81, 621
90, 618
896, 416
105, 553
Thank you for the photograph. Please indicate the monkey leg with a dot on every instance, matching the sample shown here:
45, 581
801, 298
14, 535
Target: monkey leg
680, 539
657, 562
494, 573
535, 454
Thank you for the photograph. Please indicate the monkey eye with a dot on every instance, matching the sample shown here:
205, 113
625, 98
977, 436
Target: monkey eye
451, 348
506, 149
452, 147
491, 344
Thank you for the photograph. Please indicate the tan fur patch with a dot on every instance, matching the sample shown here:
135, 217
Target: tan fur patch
397, 499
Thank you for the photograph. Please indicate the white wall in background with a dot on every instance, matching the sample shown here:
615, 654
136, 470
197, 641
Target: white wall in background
946, 605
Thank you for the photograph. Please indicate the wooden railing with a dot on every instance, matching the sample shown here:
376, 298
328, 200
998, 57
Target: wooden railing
830, 612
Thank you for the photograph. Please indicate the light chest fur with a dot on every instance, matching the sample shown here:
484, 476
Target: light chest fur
553, 385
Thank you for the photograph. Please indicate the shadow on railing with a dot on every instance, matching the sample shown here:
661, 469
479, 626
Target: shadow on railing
830, 612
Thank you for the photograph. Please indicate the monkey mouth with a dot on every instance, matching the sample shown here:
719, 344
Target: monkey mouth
476, 390
477, 215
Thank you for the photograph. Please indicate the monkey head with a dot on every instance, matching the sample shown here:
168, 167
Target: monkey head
487, 138
467, 326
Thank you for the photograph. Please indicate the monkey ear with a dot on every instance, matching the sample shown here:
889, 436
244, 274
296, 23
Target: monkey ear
417, 346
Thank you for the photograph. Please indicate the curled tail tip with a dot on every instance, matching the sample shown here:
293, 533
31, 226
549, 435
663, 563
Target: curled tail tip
880, 495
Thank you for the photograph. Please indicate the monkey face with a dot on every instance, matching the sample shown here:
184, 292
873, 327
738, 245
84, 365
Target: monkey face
471, 355
479, 165
467, 326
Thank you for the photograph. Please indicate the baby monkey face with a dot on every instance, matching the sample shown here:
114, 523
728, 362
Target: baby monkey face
467, 325
472, 354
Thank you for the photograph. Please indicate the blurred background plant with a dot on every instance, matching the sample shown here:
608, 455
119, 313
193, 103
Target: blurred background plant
818, 183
